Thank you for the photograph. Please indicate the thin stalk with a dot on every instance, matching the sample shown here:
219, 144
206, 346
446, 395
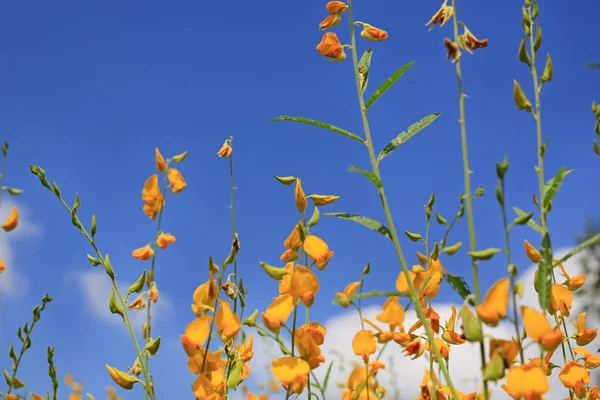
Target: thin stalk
512, 278
155, 249
2, 176
235, 301
386, 208
468, 197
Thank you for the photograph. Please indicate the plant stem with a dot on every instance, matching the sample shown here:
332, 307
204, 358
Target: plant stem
386, 208
233, 232
2, 176
468, 197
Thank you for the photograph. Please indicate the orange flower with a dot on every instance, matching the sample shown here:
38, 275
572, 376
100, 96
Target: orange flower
442, 347
532, 253
165, 239
449, 335
284, 284
469, 42
301, 202
443, 15
393, 314
2, 266
364, 344
336, 7
572, 283
539, 330
591, 361
225, 150
12, 221
575, 376
143, 253
152, 197
584, 336
307, 340
561, 300
414, 347
161, 165
176, 180
546, 365
453, 50
293, 240
196, 334
138, 304
245, 350
227, 322
526, 381
291, 372
318, 251
153, 293
495, 303
278, 312
381, 336
331, 21
369, 32
508, 349
304, 285
331, 47
348, 291
426, 280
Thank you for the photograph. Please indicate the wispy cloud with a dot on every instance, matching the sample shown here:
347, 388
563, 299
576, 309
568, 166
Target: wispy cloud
12, 282
406, 374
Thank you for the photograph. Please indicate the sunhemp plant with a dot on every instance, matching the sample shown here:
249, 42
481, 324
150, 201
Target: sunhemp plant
504, 362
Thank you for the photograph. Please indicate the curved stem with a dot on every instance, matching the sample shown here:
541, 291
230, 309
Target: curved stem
386, 208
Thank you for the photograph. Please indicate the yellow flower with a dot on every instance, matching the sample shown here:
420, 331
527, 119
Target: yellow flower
532, 253
331, 47
348, 291
227, 322
306, 339
575, 376
204, 297
584, 336
545, 365
292, 372
161, 165
245, 350
304, 285
539, 330
204, 389
138, 304
176, 180
449, 335
152, 197
165, 239
12, 221
2, 266
495, 303
393, 314
143, 253
301, 202
278, 312
364, 344
285, 282
572, 283
561, 300
381, 336
318, 251
225, 150
153, 293
293, 240
591, 361
442, 347
526, 381
369, 32
426, 280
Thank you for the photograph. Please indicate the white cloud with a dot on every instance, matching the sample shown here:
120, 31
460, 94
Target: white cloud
12, 282
407, 374
95, 286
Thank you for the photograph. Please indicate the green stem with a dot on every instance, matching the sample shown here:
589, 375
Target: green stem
2, 176
386, 208
593, 240
235, 301
512, 278
468, 197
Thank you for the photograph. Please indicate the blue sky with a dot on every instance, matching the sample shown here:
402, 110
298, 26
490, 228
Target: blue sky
89, 90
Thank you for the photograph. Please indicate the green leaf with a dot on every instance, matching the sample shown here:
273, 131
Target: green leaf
552, 186
484, 254
405, 135
363, 69
320, 125
364, 221
530, 222
415, 237
374, 293
523, 219
459, 284
543, 283
327, 375
367, 174
387, 84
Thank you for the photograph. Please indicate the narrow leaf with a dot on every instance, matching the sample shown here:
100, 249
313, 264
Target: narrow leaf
363, 69
484, 254
459, 284
320, 125
387, 84
327, 374
543, 283
553, 185
405, 135
367, 174
364, 221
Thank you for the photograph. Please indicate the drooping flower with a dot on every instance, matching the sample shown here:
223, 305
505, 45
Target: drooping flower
539, 330
442, 347
468, 41
204, 296
591, 360
573, 282
153, 293
348, 291
164, 240
176, 180
330, 21
526, 381
330, 47
138, 304
374, 34
227, 322
575, 376
161, 165
225, 150
152, 197
301, 202
318, 251
2, 266
584, 336
336, 7
278, 312
143, 253
307, 341
196, 334
453, 50
12, 220
449, 335
442, 16
495, 303
304, 285
291, 372
561, 299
